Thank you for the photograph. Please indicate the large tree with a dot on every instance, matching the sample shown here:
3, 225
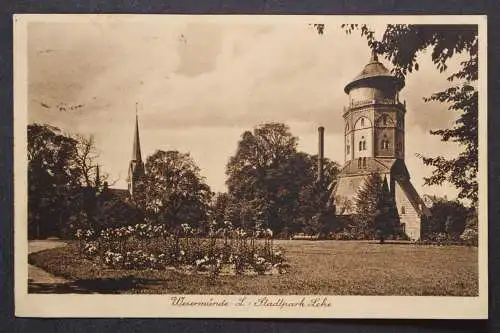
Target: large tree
271, 183
401, 44
376, 214
52, 179
175, 192
63, 180
258, 171
92, 182
219, 207
314, 213
449, 217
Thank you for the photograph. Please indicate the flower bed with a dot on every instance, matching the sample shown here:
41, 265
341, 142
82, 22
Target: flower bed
227, 251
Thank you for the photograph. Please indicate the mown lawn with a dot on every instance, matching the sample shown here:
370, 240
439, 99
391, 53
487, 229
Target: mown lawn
317, 267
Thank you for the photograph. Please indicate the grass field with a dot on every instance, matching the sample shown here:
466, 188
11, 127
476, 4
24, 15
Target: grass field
317, 267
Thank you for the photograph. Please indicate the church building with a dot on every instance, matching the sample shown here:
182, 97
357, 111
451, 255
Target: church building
374, 141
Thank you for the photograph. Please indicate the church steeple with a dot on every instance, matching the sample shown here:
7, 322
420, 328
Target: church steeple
136, 149
136, 167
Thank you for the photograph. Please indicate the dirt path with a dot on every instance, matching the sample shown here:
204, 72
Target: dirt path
40, 280
40, 245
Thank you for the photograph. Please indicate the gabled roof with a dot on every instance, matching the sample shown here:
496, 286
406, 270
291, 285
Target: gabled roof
346, 190
412, 195
380, 165
399, 170
119, 193
352, 178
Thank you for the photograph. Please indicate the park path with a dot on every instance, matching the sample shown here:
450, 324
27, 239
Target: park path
42, 282
37, 277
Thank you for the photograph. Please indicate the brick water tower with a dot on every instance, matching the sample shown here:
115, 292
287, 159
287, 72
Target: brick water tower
374, 141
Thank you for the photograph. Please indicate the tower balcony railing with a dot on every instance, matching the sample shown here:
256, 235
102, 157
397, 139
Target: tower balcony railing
384, 101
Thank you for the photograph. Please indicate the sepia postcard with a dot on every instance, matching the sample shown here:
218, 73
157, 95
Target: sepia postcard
239, 166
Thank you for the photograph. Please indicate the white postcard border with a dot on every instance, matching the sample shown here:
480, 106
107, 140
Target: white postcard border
38, 305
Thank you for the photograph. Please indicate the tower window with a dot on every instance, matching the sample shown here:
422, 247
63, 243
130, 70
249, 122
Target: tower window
364, 162
384, 119
362, 122
403, 211
359, 163
399, 123
348, 148
347, 127
385, 142
362, 144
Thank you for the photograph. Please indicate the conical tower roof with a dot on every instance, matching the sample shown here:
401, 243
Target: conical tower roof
136, 148
374, 71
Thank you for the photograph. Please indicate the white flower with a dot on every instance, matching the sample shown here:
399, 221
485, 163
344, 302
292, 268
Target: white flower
240, 232
198, 262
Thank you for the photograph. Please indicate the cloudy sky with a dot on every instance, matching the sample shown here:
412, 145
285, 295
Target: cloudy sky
200, 84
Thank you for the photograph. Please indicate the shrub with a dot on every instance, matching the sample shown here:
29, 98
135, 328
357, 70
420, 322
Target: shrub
469, 237
342, 235
438, 237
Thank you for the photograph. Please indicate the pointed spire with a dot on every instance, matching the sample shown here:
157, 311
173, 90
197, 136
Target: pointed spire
374, 56
136, 149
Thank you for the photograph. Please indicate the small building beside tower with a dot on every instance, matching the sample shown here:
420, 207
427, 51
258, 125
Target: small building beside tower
374, 141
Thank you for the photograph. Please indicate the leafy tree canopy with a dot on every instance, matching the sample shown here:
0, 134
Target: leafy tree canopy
175, 193
270, 182
63, 179
449, 217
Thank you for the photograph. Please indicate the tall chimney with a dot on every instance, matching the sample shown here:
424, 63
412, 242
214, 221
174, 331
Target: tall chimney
321, 153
